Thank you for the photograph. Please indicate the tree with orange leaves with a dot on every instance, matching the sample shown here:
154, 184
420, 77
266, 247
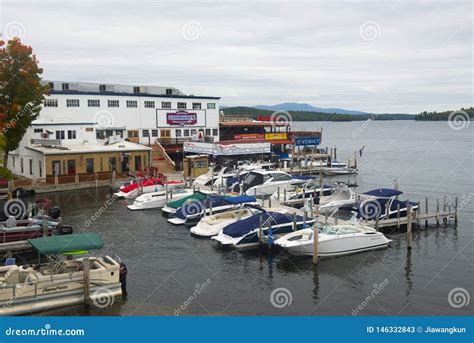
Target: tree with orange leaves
21, 93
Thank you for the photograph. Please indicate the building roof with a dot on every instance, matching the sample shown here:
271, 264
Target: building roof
249, 123
91, 147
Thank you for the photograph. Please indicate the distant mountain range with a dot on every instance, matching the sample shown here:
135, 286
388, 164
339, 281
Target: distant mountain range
293, 106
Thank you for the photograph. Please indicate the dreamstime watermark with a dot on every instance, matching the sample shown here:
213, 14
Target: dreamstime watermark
103, 297
14, 208
370, 210
459, 120
193, 208
101, 210
14, 29
281, 118
377, 288
12, 122
365, 124
104, 119
281, 297
45, 331
198, 289
192, 30
459, 297
464, 202
370, 31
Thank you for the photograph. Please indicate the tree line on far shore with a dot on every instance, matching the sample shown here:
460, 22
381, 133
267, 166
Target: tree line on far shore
446, 115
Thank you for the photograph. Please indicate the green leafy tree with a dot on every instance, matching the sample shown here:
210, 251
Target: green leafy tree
21, 93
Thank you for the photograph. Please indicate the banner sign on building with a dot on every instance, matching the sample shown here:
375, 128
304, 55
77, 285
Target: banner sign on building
276, 135
181, 118
217, 149
249, 136
303, 141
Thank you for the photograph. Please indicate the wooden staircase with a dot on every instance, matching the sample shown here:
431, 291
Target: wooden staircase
161, 160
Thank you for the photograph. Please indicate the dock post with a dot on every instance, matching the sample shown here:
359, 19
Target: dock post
315, 244
320, 178
335, 153
311, 204
355, 159
326, 217
284, 195
270, 201
166, 192
398, 216
456, 201
426, 211
278, 192
377, 222
409, 233
194, 189
294, 221
387, 211
437, 212
260, 223
210, 208
86, 277
45, 224
171, 195
445, 202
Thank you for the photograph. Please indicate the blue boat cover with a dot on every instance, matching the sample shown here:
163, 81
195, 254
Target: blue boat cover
243, 227
375, 207
241, 199
383, 192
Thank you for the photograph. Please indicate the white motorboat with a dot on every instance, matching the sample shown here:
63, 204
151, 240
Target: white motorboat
339, 171
28, 289
266, 182
148, 186
214, 173
158, 199
333, 240
342, 196
297, 193
211, 225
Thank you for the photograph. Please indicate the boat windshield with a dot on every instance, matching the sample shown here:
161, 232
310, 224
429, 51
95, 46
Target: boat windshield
328, 230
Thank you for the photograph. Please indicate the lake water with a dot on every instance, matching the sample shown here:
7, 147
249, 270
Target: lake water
166, 264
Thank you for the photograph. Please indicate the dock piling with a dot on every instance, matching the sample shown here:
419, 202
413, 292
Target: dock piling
426, 211
409, 233
294, 221
456, 202
437, 212
398, 216
315, 244
86, 278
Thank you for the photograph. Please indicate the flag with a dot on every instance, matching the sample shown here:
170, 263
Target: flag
270, 237
361, 150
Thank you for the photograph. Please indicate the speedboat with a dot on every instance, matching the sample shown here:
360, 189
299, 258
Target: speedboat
170, 208
158, 199
244, 234
214, 173
339, 171
14, 230
333, 240
147, 186
211, 225
191, 213
297, 193
59, 283
266, 182
341, 196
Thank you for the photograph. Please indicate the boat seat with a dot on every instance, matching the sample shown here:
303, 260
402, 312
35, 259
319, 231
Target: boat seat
306, 236
11, 222
12, 276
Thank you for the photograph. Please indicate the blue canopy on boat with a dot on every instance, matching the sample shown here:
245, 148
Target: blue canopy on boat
241, 199
383, 192
198, 206
377, 207
243, 227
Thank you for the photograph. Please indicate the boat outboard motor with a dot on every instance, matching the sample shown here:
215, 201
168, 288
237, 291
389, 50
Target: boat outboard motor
54, 212
64, 229
123, 278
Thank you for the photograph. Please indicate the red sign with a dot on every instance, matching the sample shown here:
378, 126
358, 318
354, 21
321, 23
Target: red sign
264, 118
181, 118
249, 136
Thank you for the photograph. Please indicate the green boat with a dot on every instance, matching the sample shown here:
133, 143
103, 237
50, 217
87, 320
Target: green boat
172, 206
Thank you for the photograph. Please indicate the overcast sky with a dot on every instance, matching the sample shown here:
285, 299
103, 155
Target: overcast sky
380, 56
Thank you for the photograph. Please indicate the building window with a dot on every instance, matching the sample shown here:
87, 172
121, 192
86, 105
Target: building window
93, 103
89, 129
215, 132
72, 102
21, 165
132, 103
145, 133
196, 105
51, 103
154, 133
112, 163
40, 165
51, 85
193, 132
38, 130
71, 134
208, 132
149, 104
169, 91
136, 89
182, 105
178, 133
60, 134
89, 165
31, 167
65, 86
113, 103
186, 133
166, 104
13, 159
102, 88
211, 106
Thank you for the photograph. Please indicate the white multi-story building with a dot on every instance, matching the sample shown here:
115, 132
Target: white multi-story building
78, 116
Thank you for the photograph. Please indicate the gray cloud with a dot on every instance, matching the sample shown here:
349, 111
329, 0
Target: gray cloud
419, 57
